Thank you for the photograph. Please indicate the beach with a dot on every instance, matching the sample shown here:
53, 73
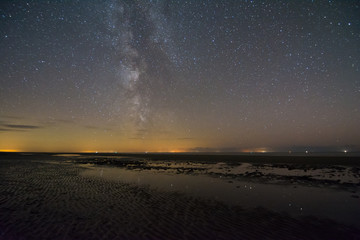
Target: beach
89, 196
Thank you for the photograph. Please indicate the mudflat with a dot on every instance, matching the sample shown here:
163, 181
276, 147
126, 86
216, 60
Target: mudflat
94, 196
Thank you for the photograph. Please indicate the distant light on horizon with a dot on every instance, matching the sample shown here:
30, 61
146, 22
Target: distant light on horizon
9, 150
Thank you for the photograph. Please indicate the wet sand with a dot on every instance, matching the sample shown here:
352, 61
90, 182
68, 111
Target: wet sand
49, 197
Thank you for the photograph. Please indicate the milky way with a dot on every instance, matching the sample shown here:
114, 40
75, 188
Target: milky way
179, 75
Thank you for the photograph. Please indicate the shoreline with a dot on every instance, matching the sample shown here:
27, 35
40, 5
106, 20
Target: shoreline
348, 159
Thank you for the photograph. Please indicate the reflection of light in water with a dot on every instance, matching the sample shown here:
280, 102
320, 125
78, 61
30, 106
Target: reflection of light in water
324, 202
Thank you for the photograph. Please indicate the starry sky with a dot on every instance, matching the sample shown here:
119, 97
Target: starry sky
147, 75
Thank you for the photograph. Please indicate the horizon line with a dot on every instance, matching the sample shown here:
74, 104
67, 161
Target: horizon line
182, 152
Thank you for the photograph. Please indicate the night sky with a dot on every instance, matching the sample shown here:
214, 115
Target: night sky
133, 76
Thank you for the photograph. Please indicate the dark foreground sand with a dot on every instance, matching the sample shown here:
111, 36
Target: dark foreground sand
45, 197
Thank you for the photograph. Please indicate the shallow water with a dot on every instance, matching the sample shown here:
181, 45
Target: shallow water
294, 199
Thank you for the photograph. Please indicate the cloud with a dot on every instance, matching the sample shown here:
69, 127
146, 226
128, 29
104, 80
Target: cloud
20, 126
17, 127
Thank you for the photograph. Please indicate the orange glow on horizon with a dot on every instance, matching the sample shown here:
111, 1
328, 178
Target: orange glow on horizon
88, 151
256, 150
176, 151
9, 150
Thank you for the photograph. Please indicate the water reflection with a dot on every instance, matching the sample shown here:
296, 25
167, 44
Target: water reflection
293, 199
